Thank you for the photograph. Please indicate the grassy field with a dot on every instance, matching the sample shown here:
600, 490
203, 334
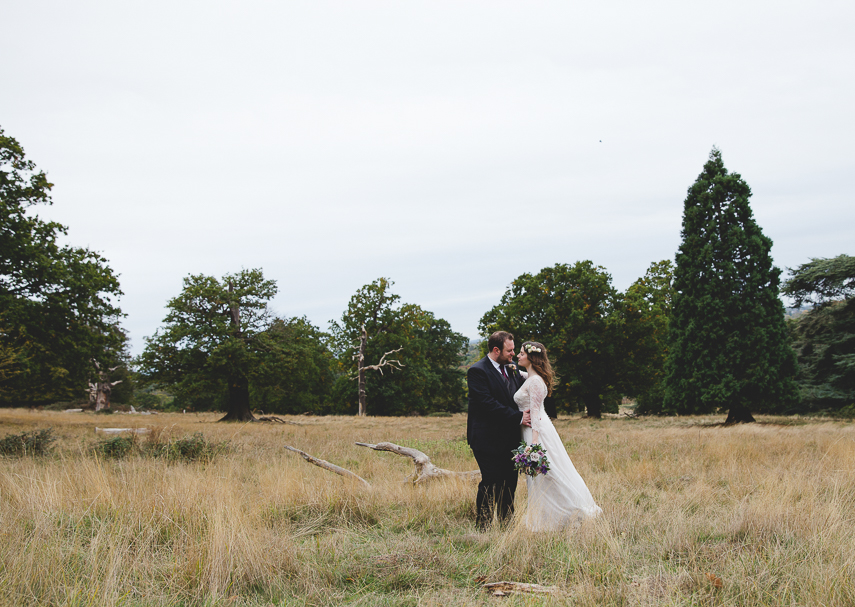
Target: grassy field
694, 514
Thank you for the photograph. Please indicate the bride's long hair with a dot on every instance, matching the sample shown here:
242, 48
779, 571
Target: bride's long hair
536, 353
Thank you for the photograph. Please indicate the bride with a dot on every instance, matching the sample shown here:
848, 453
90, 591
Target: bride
560, 496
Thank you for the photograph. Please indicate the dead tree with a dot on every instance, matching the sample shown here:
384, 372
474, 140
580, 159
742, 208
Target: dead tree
361, 367
425, 469
100, 391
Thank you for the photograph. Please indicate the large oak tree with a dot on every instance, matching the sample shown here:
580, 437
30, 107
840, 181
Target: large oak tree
572, 310
222, 347
58, 307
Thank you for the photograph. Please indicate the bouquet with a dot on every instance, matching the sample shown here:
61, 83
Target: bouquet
530, 459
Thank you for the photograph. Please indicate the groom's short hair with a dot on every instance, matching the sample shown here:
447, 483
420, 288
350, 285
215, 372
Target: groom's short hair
497, 340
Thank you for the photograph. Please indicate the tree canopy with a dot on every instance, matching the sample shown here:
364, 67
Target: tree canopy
58, 307
571, 309
646, 310
430, 379
728, 345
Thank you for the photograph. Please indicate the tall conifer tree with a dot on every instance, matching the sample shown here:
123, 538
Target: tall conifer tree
728, 342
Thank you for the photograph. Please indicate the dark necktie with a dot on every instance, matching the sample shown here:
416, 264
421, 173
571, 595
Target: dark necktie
505, 375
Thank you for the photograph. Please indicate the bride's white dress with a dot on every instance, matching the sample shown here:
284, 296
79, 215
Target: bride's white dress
559, 497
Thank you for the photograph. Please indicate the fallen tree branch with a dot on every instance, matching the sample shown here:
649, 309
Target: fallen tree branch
278, 420
328, 466
122, 430
506, 588
425, 469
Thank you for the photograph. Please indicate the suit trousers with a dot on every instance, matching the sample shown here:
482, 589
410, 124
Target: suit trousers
497, 487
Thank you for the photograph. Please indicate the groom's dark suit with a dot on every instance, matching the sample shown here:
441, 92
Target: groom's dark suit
493, 431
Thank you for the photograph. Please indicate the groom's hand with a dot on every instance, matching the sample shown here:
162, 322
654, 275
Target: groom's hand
526, 420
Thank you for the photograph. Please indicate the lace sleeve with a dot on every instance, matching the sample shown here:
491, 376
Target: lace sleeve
537, 392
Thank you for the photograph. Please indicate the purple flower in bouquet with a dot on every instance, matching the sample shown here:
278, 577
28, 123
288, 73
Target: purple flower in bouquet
530, 459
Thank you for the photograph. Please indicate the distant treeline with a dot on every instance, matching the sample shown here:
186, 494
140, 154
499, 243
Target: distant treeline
704, 333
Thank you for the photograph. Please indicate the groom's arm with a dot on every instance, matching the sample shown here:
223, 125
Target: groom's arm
479, 391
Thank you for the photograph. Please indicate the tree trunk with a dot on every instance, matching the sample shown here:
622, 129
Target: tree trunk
593, 405
238, 410
739, 414
102, 397
360, 361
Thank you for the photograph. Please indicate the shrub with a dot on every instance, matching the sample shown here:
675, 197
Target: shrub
193, 448
115, 447
36, 442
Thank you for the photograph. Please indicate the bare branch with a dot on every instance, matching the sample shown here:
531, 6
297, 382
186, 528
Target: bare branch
425, 469
393, 363
506, 588
278, 420
328, 466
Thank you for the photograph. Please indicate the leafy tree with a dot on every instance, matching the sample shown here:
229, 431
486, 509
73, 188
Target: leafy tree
57, 309
296, 372
728, 346
430, 378
221, 347
572, 311
9, 367
646, 310
824, 336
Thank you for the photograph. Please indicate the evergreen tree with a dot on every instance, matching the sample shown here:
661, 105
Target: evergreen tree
824, 336
728, 342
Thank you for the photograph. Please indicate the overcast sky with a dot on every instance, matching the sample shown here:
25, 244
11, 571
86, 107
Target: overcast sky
449, 146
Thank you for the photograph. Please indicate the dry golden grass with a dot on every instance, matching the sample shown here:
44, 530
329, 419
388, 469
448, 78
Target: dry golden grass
693, 514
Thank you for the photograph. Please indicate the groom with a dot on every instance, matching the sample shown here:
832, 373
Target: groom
493, 427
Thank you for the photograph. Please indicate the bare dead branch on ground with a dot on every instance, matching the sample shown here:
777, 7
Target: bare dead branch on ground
506, 588
278, 420
425, 469
328, 466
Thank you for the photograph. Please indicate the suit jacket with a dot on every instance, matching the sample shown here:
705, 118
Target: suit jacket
494, 419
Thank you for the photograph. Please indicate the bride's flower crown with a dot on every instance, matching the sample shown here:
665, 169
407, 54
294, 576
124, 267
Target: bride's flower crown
532, 348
